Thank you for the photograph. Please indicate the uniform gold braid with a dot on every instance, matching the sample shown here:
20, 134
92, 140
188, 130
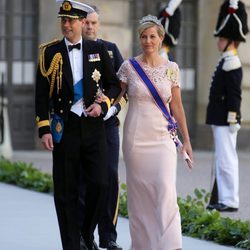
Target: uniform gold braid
122, 102
55, 69
47, 44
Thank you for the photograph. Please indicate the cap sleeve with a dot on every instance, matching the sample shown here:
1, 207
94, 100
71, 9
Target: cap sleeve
123, 72
173, 74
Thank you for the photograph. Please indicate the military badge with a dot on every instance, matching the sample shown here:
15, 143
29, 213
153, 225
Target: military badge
94, 57
96, 75
57, 126
66, 6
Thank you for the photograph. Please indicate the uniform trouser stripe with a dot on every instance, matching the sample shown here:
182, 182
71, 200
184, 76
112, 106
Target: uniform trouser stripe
117, 206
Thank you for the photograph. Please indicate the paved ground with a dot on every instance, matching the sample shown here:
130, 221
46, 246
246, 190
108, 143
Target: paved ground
28, 219
28, 222
187, 181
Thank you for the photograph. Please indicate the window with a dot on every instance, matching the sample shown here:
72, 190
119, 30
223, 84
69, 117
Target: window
24, 37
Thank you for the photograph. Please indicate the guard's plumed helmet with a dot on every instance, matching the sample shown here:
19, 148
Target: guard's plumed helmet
172, 25
232, 21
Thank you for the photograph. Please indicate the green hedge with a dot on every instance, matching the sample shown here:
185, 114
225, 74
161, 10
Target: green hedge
200, 223
25, 175
195, 219
210, 225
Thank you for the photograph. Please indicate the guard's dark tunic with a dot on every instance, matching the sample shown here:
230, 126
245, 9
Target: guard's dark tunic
225, 90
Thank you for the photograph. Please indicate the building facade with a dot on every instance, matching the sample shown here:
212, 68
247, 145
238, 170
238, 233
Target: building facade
27, 23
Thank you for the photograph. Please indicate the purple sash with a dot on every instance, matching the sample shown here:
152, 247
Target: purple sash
172, 124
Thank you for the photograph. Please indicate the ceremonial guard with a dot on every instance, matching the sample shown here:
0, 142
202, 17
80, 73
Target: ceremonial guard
72, 74
170, 17
223, 111
107, 224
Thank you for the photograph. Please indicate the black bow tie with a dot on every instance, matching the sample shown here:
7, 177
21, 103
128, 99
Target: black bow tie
75, 46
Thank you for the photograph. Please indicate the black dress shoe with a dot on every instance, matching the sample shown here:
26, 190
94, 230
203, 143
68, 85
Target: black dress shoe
224, 208
211, 206
112, 245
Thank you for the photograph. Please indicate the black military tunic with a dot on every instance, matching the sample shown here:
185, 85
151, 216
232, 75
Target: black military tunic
225, 90
83, 144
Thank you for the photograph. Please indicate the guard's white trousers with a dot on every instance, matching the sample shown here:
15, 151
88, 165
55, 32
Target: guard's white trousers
226, 166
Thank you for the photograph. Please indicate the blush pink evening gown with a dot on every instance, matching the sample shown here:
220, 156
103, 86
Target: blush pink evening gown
150, 157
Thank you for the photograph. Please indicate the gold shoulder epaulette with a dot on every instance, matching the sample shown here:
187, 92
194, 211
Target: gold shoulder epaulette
55, 41
55, 68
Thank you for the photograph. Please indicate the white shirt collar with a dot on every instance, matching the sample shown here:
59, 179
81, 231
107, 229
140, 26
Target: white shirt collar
67, 42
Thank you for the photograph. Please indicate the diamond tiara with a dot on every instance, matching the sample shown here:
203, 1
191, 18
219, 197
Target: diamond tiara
150, 19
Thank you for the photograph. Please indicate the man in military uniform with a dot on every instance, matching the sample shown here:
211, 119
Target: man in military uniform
72, 74
223, 111
107, 224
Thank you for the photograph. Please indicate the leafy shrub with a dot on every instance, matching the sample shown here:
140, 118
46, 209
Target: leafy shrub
25, 175
204, 224
209, 225
123, 211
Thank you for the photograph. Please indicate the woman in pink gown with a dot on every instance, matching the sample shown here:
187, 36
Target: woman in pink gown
149, 152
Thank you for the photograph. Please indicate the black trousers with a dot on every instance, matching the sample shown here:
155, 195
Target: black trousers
83, 149
108, 220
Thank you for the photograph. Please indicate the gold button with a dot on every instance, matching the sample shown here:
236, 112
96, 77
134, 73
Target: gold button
70, 102
61, 111
59, 99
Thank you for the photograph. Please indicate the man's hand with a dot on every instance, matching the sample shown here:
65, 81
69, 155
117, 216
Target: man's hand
47, 142
94, 110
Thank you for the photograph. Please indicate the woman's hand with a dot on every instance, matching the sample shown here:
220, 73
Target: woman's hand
188, 148
100, 99
187, 153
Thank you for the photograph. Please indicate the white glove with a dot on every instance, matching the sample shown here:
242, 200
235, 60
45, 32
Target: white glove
234, 127
112, 111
